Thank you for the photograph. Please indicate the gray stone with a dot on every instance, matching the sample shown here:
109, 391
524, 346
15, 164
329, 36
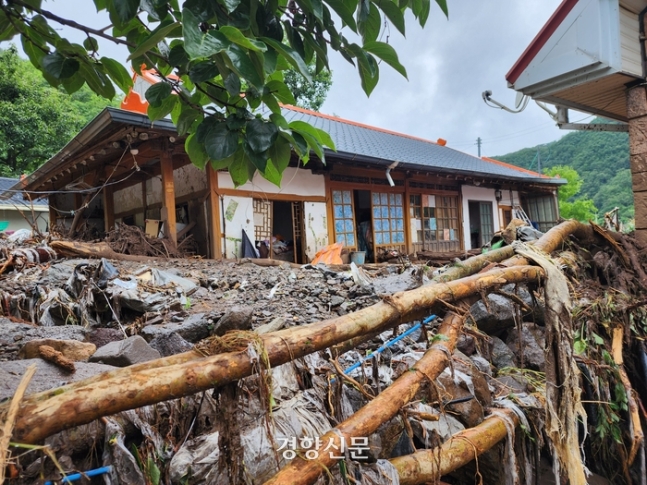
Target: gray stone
58, 273
103, 336
482, 364
170, 344
501, 354
48, 376
193, 329
533, 344
507, 384
132, 350
497, 317
466, 344
336, 300
237, 318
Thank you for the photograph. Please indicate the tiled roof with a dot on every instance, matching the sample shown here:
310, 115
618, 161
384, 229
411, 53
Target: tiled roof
369, 141
16, 198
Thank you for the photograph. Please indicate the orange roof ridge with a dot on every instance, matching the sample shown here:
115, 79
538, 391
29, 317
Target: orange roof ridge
355, 123
514, 167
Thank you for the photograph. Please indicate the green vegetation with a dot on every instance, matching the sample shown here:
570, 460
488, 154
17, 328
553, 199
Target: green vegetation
570, 206
600, 158
36, 120
309, 94
230, 57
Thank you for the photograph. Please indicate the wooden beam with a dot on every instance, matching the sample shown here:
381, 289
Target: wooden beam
108, 208
168, 197
270, 196
213, 214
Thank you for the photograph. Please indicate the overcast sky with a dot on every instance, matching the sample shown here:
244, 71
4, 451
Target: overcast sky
450, 63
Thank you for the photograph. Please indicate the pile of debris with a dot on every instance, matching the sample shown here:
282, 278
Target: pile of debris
531, 355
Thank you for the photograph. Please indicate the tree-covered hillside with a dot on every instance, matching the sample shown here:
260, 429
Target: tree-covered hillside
601, 159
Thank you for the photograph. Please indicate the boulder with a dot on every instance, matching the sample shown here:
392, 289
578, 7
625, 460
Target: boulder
533, 343
14, 335
72, 349
132, 350
237, 318
103, 336
496, 317
170, 344
501, 355
192, 329
47, 376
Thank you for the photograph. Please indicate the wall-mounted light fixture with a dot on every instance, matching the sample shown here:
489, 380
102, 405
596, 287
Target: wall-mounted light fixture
498, 194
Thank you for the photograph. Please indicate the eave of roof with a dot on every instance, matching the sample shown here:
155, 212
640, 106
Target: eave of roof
81, 141
540, 40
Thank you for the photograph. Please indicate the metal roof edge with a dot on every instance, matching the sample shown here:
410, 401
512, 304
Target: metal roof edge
403, 164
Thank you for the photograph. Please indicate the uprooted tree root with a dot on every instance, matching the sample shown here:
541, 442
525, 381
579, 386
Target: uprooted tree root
589, 397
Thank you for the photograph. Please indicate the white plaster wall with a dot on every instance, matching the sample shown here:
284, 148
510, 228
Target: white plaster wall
481, 194
189, 180
316, 227
16, 221
128, 199
154, 191
235, 221
296, 181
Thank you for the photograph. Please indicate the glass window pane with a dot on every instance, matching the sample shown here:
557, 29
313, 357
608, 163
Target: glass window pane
384, 199
378, 224
336, 196
351, 239
399, 225
378, 238
385, 212
376, 198
392, 199
349, 225
340, 238
339, 226
346, 196
348, 211
376, 212
398, 199
386, 238
339, 211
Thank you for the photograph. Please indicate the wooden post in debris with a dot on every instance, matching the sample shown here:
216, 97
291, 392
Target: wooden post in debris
168, 196
637, 115
52, 212
108, 208
213, 214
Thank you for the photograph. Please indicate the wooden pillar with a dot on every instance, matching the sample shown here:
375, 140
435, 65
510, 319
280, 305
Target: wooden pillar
168, 196
637, 115
213, 214
108, 209
52, 212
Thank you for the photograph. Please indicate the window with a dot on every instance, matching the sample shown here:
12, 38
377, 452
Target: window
487, 222
343, 216
434, 222
541, 211
388, 218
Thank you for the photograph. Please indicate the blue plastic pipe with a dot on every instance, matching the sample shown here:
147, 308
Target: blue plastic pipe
390, 343
89, 473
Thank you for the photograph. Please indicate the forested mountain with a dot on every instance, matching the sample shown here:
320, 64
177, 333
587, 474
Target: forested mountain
601, 159
37, 120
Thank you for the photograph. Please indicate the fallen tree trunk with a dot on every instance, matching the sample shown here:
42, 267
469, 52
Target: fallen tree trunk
76, 249
429, 465
380, 410
81, 405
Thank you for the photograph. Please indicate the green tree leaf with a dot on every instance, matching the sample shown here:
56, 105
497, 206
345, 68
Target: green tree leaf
368, 69
243, 66
290, 55
281, 91
237, 37
157, 93
155, 37
58, 66
260, 135
164, 109
126, 9
220, 142
199, 44
393, 13
195, 150
118, 74
342, 9
387, 54
203, 71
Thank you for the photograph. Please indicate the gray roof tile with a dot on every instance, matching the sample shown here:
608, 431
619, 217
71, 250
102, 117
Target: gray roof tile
356, 138
6, 184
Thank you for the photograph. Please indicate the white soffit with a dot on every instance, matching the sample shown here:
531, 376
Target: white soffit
584, 47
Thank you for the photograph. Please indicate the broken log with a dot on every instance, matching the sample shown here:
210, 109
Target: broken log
429, 465
81, 405
376, 412
76, 249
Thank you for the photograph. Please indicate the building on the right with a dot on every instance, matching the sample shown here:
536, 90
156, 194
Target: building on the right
589, 56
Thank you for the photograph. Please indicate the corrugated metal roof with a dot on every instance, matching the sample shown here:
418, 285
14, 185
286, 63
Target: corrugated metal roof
411, 152
15, 197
